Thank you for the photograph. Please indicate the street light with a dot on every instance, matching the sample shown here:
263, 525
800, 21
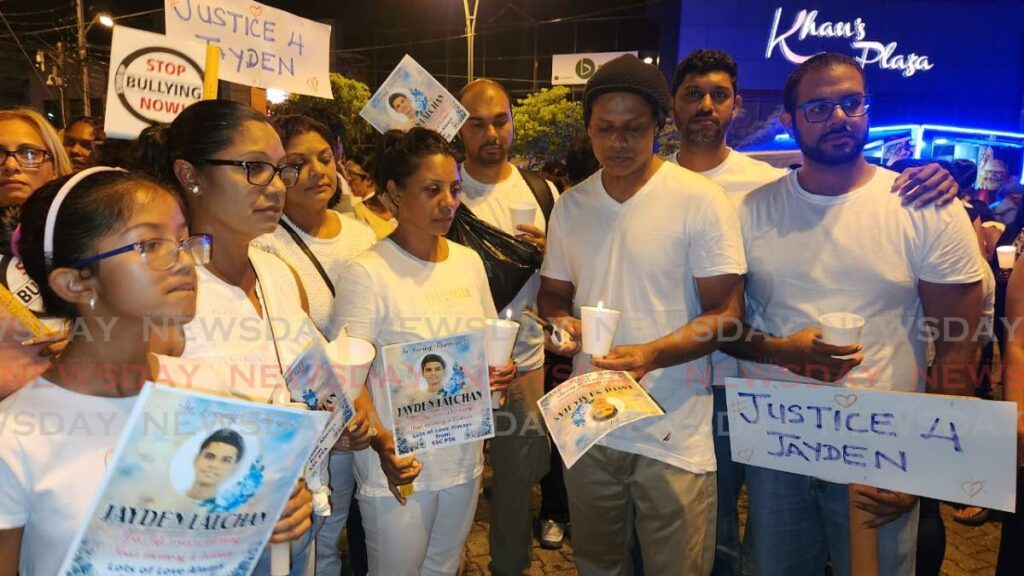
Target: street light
103, 19
470, 35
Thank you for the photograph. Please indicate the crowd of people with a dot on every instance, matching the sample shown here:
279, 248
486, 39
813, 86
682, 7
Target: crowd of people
226, 214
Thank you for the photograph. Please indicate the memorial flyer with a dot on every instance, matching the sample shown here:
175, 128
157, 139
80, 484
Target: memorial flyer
409, 97
438, 392
313, 381
584, 409
197, 482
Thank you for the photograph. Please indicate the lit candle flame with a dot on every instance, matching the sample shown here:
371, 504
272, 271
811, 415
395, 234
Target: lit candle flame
600, 304
508, 314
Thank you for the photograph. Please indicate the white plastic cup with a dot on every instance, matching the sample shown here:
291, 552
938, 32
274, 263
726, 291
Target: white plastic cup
352, 358
499, 341
523, 212
1007, 256
599, 325
841, 328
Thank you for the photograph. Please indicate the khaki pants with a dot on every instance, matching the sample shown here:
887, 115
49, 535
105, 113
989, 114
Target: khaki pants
612, 493
520, 457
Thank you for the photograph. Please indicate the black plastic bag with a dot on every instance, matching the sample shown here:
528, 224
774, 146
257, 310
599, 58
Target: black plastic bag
508, 261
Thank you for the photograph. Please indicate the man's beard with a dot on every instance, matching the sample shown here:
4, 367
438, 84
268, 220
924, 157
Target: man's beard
489, 159
818, 153
704, 134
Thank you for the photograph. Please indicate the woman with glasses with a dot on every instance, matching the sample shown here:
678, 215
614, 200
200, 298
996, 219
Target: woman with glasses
317, 242
102, 244
416, 285
251, 310
369, 206
32, 155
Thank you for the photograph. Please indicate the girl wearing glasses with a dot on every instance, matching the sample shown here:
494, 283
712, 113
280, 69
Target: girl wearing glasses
32, 155
251, 310
103, 244
317, 242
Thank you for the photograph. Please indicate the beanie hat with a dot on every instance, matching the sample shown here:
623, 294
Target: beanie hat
627, 73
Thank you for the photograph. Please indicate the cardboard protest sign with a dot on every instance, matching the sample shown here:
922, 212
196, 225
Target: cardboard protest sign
949, 448
195, 486
152, 79
260, 46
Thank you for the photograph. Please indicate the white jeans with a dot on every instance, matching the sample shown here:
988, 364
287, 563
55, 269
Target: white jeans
423, 538
343, 482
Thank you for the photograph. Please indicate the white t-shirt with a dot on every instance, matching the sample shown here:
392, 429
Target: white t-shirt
642, 257
738, 175
490, 203
54, 449
861, 252
388, 296
227, 330
333, 253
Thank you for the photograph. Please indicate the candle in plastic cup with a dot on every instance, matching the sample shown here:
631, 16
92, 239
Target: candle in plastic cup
1007, 255
599, 325
352, 358
523, 212
841, 328
499, 340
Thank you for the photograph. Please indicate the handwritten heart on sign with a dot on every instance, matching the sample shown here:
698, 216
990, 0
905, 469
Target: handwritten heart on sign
746, 454
256, 11
972, 488
313, 83
846, 400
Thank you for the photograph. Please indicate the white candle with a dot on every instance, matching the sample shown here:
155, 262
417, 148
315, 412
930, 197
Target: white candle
599, 325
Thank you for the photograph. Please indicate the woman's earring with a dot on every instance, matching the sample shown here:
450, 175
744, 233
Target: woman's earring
194, 189
92, 302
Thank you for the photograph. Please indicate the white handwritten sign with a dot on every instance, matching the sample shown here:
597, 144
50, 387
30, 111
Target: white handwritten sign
152, 79
805, 25
944, 447
260, 46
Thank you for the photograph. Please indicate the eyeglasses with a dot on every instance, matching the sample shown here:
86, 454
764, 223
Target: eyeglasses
854, 105
259, 173
160, 253
718, 95
26, 157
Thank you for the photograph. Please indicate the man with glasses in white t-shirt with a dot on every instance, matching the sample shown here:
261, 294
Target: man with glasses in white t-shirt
830, 237
705, 101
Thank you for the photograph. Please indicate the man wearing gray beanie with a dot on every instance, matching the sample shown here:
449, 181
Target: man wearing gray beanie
662, 245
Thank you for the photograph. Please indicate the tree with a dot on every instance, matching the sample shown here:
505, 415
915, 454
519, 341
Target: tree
545, 124
349, 98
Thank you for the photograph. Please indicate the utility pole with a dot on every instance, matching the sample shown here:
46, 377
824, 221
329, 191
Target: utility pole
470, 35
86, 107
